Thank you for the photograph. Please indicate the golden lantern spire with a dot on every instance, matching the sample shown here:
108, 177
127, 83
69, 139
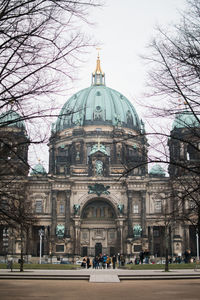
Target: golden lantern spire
98, 77
98, 67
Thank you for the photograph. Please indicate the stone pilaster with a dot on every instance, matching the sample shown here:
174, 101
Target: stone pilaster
53, 213
129, 209
67, 213
151, 239
77, 241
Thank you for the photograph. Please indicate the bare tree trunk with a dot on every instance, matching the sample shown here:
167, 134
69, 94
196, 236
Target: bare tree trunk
27, 244
198, 224
22, 250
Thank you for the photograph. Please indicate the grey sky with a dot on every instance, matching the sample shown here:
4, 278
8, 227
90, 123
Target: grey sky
124, 28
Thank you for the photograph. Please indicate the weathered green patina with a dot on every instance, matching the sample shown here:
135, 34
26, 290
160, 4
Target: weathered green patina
98, 147
98, 189
157, 170
98, 105
76, 208
137, 231
99, 168
185, 119
38, 170
120, 208
12, 119
60, 230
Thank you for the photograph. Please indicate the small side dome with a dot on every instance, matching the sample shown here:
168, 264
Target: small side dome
38, 170
11, 119
157, 171
185, 119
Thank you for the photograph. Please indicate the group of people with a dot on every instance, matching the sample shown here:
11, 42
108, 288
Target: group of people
103, 261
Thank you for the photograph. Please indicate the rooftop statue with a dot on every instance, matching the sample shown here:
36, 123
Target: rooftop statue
118, 121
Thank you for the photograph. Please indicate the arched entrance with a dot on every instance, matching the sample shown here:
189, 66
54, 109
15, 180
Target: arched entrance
98, 227
98, 249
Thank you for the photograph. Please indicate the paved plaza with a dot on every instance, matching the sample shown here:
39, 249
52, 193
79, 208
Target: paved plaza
84, 290
99, 284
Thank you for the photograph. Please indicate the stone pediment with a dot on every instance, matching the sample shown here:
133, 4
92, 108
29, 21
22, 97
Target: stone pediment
98, 148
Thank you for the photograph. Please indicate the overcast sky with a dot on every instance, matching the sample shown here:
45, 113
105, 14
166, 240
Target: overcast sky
124, 28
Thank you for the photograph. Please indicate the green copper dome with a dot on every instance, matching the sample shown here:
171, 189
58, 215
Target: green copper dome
97, 105
185, 119
11, 119
38, 170
157, 170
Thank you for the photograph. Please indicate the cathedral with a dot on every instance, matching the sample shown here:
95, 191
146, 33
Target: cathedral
98, 196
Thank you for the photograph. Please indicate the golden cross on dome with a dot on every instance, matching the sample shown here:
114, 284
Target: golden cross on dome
98, 49
98, 68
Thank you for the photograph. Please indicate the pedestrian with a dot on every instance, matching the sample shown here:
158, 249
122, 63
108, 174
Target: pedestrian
114, 259
122, 260
137, 261
187, 256
88, 262
93, 263
104, 260
100, 261
83, 265
108, 262
97, 262
141, 255
10, 264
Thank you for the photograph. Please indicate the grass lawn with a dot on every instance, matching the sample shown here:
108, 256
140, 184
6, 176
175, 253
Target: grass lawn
43, 266
75, 267
159, 266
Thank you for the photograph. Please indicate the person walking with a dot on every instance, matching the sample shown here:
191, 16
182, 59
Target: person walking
100, 261
141, 255
83, 265
108, 262
88, 262
114, 259
122, 260
104, 260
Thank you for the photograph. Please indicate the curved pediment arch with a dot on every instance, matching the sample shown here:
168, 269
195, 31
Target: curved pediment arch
86, 199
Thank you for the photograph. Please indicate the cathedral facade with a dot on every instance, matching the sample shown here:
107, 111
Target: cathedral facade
98, 196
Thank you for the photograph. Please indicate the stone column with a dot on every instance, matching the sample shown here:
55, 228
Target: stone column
67, 213
129, 209
46, 240
121, 235
151, 240
77, 225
